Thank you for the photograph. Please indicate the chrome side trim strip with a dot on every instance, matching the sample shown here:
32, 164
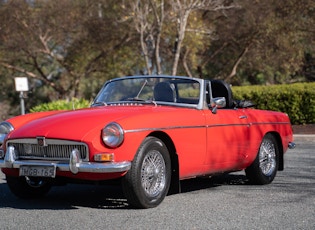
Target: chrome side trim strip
183, 127
271, 123
164, 128
224, 125
205, 126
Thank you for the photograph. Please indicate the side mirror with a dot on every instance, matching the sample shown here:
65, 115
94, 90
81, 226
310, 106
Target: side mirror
217, 103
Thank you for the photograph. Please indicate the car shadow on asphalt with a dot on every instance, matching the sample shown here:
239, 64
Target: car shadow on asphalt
74, 196
214, 181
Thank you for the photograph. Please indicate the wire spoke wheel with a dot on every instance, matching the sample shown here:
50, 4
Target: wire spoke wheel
267, 158
264, 169
147, 182
153, 173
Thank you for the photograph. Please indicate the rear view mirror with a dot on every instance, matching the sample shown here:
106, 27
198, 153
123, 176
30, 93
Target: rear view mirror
217, 103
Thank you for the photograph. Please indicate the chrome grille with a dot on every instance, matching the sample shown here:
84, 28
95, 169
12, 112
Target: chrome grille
54, 149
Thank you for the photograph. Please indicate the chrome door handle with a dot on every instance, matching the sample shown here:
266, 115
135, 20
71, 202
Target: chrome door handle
243, 117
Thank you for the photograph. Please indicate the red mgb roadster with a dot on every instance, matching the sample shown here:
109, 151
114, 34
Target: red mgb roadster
148, 131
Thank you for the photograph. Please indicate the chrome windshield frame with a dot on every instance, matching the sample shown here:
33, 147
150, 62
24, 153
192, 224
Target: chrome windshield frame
200, 105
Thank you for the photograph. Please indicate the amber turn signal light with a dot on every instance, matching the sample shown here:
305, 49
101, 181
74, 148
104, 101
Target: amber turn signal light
102, 157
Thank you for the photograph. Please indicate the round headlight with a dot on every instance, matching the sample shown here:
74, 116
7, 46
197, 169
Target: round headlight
112, 135
5, 129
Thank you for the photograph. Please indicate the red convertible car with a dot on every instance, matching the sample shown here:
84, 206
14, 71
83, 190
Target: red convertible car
150, 132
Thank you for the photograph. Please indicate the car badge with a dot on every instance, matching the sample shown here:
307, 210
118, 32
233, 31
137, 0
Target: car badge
41, 141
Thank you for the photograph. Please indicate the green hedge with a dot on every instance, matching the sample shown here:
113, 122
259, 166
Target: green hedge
297, 100
62, 105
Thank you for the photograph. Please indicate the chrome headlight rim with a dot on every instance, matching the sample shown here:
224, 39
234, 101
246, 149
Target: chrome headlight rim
113, 135
5, 129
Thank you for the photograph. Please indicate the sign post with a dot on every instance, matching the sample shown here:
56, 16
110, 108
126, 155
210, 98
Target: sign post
21, 85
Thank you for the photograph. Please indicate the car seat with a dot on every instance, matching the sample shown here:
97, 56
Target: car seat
220, 88
164, 91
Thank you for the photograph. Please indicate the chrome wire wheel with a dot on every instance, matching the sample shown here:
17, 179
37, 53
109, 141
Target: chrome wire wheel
267, 157
147, 182
265, 166
153, 173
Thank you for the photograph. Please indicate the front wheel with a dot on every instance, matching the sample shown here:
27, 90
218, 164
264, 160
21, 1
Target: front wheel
147, 182
264, 169
28, 187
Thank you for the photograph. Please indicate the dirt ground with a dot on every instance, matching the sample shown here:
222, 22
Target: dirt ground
304, 129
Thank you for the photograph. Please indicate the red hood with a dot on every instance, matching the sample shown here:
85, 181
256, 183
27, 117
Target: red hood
77, 124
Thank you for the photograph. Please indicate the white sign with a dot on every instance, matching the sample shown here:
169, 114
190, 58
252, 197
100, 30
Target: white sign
21, 84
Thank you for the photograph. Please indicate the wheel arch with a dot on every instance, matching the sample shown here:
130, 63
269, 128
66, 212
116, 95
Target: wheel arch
175, 183
277, 136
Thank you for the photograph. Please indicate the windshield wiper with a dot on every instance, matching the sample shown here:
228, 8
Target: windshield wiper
143, 85
99, 103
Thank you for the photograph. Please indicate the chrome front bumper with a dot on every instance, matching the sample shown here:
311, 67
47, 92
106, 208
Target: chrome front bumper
74, 165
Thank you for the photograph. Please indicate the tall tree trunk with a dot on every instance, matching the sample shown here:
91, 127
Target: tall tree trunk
180, 38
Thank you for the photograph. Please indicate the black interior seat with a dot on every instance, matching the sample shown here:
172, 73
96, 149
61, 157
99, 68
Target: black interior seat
220, 88
164, 91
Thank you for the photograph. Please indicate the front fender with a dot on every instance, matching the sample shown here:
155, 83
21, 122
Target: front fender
18, 121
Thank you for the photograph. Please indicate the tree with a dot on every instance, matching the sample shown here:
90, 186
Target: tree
59, 45
69, 48
183, 10
155, 19
37, 43
147, 18
261, 42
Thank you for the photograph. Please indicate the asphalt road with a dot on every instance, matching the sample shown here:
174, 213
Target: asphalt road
224, 202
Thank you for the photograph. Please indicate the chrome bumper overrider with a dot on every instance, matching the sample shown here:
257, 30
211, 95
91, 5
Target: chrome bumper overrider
74, 165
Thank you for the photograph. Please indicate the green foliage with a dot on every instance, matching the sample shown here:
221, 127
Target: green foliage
297, 100
70, 48
62, 105
268, 39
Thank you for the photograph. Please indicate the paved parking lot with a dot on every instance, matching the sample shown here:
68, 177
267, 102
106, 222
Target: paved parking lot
223, 202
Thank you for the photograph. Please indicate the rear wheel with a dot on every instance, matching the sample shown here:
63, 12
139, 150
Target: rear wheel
28, 187
147, 182
264, 169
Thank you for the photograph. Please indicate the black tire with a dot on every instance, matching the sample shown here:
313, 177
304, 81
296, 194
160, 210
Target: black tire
147, 182
264, 169
28, 187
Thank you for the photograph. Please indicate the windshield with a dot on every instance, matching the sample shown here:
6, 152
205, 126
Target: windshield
150, 89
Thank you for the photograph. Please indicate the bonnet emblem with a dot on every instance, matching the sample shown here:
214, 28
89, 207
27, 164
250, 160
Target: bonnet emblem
41, 141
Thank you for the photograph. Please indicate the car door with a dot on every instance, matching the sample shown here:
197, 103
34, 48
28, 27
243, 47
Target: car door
227, 139
227, 129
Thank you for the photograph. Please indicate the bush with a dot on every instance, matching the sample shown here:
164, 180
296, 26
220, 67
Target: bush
62, 105
297, 100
